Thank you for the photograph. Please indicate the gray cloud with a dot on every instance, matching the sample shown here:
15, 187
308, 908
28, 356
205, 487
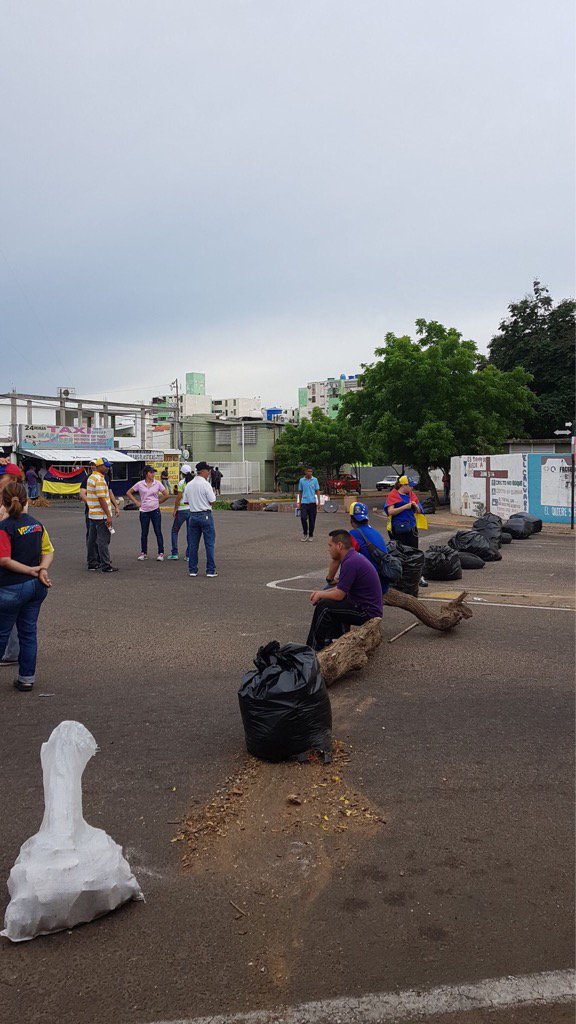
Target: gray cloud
262, 189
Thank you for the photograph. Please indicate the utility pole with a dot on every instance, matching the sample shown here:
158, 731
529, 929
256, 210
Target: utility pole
177, 430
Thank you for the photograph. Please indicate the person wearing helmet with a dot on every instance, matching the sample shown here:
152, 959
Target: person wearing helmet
401, 506
361, 533
181, 512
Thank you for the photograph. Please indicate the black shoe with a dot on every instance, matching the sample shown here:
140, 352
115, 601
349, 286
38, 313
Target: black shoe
23, 687
110, 568
423, 583
93, 568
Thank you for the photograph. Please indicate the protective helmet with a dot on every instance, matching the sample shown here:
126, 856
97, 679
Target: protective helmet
359, 512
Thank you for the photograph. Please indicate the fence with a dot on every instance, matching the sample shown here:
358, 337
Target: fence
239, 477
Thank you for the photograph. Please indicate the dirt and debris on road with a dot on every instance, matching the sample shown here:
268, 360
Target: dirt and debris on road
265, 799
271, 841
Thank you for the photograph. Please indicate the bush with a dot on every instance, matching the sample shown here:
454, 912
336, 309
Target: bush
221, 506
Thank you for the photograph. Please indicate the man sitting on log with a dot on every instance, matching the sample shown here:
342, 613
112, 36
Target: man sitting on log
355, 598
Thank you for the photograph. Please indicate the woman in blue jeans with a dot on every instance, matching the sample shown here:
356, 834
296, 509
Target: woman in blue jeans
152, 495
26, 553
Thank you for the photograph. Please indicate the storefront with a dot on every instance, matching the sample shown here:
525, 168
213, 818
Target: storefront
65, 450
152, 457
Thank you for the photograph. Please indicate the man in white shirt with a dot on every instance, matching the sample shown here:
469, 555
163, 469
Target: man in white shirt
199, 497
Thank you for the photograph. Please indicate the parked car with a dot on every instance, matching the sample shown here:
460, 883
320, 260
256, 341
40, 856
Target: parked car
386, 483
344, 484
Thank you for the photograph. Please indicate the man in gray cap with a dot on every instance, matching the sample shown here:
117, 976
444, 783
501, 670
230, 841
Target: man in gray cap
199, 497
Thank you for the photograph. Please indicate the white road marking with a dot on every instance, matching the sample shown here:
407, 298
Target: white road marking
276, 585
412, 1004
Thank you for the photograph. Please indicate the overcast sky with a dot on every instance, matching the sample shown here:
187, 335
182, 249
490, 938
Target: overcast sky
261, 189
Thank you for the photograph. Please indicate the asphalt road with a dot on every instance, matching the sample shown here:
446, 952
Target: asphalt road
456, 757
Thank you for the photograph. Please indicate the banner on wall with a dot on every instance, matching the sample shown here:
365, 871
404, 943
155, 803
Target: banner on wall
32, 437
172, 464
493, 483
550, 487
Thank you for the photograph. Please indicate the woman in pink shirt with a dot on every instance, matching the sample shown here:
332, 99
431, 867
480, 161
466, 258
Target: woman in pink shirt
152, 495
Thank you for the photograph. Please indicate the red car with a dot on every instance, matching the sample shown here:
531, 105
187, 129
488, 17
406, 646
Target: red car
344, 484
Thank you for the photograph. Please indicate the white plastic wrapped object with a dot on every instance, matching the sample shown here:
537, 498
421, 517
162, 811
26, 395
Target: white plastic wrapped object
69, 872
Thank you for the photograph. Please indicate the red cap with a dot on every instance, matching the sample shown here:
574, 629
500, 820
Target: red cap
11, 469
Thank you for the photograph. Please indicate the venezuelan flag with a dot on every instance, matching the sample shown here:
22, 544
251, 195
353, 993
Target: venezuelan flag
58, 482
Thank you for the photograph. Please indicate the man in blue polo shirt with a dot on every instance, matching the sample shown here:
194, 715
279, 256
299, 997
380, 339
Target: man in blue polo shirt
307, 502
356, 597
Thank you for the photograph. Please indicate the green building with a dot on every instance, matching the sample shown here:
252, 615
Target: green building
195, 383
230, 443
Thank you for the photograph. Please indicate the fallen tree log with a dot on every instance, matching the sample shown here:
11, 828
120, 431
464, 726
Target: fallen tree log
450, 614
350, 651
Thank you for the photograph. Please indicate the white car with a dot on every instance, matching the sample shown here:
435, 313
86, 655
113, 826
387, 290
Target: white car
386, 483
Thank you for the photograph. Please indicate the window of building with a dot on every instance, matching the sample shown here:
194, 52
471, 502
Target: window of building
222, 436
250, 435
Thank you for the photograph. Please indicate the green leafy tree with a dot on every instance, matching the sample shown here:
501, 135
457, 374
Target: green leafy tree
320, 442
539, 336
428, 399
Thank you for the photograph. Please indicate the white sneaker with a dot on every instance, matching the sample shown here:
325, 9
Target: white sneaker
211, 575
192, 573
304, 539
142, 557
160, 558
310, 538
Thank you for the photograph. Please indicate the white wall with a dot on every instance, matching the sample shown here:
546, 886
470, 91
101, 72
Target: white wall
488, 483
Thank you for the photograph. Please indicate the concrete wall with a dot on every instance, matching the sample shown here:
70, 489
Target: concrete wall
504, 484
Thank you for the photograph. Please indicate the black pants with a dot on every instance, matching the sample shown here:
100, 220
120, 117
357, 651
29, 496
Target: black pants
308, 512
332, 619
409, 538
98, 544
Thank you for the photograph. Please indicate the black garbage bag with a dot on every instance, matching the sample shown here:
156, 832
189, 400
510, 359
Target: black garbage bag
412, 561
428, 506
488, 517
505, 537
477, 544
272, 507
442, 563
468, 561
529, 518
490, 527
240, 505
284, 703
519, 529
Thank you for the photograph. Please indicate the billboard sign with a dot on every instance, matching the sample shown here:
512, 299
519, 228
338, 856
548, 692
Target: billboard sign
65, 438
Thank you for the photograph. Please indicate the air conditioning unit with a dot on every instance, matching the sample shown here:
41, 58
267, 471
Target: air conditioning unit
66, 392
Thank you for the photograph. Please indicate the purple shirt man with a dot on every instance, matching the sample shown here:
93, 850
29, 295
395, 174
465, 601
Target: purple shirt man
361, 583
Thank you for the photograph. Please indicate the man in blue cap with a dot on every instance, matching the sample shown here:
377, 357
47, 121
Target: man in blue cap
100, 518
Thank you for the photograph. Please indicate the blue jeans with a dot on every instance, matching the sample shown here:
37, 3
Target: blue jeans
155, 518
201, 524
20, 607
179, 519
12, 647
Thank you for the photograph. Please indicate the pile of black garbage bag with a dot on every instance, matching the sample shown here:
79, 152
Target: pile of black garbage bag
476, 543
412, 561
483, 542
284, 704
442, 562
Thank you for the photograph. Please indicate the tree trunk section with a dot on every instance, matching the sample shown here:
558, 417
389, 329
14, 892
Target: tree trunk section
350, 651
449, 615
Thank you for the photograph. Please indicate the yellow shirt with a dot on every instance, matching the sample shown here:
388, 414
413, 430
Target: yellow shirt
96, 487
